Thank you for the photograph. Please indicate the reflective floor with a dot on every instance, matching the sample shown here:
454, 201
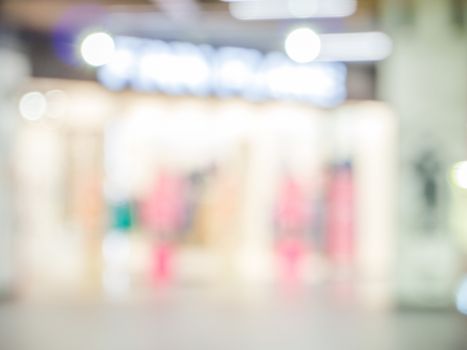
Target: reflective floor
192, 318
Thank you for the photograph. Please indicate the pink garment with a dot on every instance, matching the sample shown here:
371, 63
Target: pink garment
162, 262
293, 209
163, 209
340, 216
291, 252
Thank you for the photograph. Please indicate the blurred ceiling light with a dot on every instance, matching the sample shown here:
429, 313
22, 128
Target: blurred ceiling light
303, 8
193, 71
236, 72
120, 65
33, 106
459, 175
183, 68
97, 49
355, 47
303, 45
280, 9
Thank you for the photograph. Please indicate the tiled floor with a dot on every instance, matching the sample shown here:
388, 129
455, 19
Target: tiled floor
189, 319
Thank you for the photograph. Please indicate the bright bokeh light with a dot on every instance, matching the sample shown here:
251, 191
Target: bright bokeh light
303, 45
33, 106
97, 49
459, 174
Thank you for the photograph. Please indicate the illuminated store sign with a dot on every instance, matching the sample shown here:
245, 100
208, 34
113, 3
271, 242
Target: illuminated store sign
182, 68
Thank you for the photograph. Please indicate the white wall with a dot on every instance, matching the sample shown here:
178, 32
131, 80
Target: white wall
425, 80
14, 70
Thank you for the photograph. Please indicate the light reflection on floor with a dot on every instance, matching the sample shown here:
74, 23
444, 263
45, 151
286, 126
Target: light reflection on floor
194, 318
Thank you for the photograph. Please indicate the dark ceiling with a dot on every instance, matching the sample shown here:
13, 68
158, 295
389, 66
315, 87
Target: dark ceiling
198, 21
41, 15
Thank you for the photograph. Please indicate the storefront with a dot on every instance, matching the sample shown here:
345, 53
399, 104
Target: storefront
122, 192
